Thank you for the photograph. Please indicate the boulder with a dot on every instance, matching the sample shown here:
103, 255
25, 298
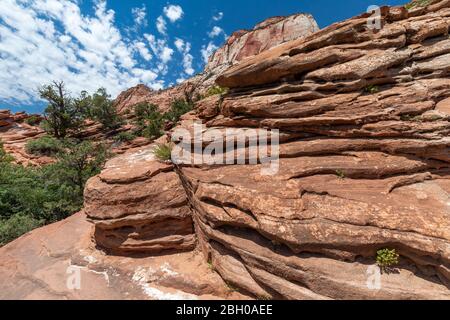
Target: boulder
138, 205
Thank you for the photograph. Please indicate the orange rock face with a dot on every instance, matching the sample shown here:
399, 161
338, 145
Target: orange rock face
369, 169
15, 133
138, 205
267, 34
364, 165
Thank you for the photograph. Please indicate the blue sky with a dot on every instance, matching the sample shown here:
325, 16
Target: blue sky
117, 44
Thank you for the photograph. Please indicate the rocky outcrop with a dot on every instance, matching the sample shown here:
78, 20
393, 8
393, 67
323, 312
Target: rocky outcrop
59, 262
138, 205
364, 164
15, 133
240, 45
265, 35
368, 169
140, 220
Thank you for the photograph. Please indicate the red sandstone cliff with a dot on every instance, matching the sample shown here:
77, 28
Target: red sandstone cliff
364, 164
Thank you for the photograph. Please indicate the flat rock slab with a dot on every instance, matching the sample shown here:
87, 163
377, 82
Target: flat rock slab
44, 264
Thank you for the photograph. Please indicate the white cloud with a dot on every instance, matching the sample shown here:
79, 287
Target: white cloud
179, 44
173, 12
139, 15
143, 51
161, 25
161, 50
166, 54
216, 31
208, 50
218, 16
47, 40
185, 48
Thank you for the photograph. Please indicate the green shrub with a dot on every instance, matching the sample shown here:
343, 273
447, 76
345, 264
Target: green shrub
387, 258
124, 136
214, 90
44, 146
32, 196
163, 152
33, 120
16, 226
417, 3
372, 89
148, 120
340, 174
4, 157
177, 109
101, 108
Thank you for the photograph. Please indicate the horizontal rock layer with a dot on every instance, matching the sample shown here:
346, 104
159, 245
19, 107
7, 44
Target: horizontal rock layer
365, 163
138, 205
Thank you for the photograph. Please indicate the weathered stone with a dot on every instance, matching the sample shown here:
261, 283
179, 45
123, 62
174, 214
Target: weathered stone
138, 205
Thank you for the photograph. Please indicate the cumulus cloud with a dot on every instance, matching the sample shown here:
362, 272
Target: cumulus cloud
218, 16
143, 50
173, 12
216, 31
47, 40
160, 50
208, 50
139, 15
179, 44
185, 48
161, 25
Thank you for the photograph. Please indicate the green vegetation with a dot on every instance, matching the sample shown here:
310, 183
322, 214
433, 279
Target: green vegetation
387, 258
124, 136
33, 120
163, 152
44, 146
177, 109
340, 174
33, 196
101, 108
372, 89
148, 120
417, 4
63, 113
214, 90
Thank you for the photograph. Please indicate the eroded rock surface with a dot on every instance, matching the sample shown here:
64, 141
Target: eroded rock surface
138, 205
15, 133
368, 169
60, 262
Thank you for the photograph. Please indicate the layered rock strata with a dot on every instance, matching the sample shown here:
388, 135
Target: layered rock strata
370, 168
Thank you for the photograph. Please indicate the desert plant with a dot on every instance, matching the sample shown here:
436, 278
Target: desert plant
340, 174
372, 89
214, 90
62, 114
148, 120
17, 225
4, 157
79, 161
33, 120
124, 136
387, 258
44, 146
101, 108
163, 151
177, 109
417, 4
